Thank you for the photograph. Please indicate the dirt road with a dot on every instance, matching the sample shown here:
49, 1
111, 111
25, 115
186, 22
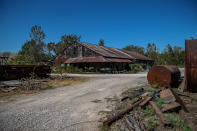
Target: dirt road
67, 108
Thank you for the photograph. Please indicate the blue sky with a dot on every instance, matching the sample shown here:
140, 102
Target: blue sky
118, 22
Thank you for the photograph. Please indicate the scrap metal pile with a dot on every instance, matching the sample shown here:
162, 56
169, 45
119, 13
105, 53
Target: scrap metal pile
134, 118
163, 78
10, 72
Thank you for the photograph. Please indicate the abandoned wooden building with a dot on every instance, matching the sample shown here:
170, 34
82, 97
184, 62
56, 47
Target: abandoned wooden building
83, 55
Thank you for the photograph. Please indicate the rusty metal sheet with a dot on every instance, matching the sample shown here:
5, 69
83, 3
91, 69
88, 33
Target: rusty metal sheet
137, 55
95, 60
115, 53
171, 107
10, 72
191, 65
106, 51
164, 75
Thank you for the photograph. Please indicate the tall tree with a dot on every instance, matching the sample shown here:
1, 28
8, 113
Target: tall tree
70, 39
32, 51
50, 47
152, 52
37, 34
134, 48
66, 41
101, 42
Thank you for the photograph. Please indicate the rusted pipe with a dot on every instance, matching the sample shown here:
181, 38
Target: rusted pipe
119, 115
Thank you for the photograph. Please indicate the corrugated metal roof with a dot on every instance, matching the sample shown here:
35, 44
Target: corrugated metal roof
95, 59
136, 55
115, 53
107, 51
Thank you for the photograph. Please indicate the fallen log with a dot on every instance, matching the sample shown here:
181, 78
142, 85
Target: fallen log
119, 115
159, 114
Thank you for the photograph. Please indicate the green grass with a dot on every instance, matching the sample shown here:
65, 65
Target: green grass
148, 111
151, 122
178, 122
134, 100
159, 102
104, 128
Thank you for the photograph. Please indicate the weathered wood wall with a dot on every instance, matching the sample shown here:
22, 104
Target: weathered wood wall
77, 50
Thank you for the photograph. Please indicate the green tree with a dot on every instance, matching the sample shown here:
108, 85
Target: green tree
66, 41
50, 47
173, 56
32, 51
152, 52
37, 34
101, 42
134, 48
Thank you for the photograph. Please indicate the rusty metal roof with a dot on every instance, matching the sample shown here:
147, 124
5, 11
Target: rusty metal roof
108, 54
137, 55
95, 59
115, 53
107, 51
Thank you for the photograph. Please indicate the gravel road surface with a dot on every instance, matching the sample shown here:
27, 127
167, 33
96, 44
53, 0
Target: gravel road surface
69, 108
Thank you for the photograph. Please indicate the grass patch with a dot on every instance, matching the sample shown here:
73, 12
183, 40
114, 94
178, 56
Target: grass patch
178, 122
148, 111
151, 122
67, 81
155, 86
159, 102
104, 128
134, 100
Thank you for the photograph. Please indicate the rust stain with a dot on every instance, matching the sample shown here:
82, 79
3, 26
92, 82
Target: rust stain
164, 75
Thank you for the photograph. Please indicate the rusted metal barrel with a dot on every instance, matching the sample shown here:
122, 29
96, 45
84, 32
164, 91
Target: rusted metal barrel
191, 65
164, 75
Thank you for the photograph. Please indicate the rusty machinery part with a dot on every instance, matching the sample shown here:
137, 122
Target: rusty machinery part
164, 75
41, 70
191, 65
11, 72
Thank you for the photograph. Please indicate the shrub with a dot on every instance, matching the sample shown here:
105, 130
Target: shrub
136, 67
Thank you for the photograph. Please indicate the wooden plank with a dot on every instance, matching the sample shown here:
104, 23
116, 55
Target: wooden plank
145, 101
159, 114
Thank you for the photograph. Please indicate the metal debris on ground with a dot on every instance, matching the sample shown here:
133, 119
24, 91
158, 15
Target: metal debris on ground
171, 102
14, 72
159, 114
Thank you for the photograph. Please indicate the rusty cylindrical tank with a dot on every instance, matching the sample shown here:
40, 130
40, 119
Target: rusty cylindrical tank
191, 65
163, 75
